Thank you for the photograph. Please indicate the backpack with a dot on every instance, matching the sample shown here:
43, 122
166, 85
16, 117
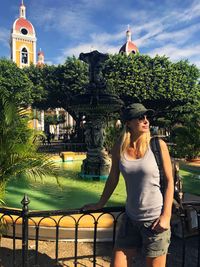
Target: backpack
178, 192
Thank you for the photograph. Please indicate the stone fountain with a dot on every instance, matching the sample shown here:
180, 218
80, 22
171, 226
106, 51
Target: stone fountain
97, 105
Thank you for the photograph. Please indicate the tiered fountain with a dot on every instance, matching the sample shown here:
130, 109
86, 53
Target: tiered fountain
97, 106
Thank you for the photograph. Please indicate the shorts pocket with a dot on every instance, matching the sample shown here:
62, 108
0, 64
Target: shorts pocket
148, 224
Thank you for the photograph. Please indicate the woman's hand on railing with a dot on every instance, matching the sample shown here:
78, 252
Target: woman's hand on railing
92, 206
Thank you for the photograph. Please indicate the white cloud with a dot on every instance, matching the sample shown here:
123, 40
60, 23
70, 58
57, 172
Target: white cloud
104, 37
153, 31
72, 20
85, 48
49, 62
180, 35
4, 37
191, 13
177, 53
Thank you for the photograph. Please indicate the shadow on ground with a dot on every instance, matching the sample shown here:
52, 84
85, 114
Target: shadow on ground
46, 254
6, 258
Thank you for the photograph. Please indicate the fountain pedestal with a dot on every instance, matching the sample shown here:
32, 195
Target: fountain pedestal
97, 163
97, 105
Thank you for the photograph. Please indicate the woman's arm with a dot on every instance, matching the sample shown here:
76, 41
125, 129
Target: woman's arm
163, 222
111, 182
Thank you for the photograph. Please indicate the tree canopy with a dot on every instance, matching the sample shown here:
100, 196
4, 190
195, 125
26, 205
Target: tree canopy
60, 82
156, 82
15, 83
172, 89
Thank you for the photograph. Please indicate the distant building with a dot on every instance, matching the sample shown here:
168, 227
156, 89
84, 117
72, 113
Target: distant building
40, 61
23, 52
23, 40
129, 47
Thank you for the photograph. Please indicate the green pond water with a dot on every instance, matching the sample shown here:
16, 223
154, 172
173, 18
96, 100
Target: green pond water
72, 193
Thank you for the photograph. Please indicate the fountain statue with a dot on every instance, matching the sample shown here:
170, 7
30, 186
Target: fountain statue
97, 105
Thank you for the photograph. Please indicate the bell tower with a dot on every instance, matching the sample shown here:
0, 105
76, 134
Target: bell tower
23, 40
129, 47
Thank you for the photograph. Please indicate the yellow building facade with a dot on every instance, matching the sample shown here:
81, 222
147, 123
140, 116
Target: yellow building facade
23, 47
23, 40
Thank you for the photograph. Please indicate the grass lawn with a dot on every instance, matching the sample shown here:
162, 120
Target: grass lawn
191, 179
74, 192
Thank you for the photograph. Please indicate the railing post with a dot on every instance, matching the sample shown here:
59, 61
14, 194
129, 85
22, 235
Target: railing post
25, 201
198, 218
182, 218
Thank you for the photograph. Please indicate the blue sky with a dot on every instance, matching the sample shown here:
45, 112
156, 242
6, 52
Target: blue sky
69, 27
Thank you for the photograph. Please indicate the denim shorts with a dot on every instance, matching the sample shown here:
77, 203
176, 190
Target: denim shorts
139, 235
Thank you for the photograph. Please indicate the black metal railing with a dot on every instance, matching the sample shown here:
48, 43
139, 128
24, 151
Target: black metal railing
97, 227
57, 147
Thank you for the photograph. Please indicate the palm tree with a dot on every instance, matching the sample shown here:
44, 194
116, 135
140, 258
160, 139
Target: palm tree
18, 146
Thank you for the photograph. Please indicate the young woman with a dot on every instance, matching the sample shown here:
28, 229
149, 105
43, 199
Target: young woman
146, 223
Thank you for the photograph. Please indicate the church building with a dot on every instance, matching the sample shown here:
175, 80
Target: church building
23, 40
24, 53
129, 47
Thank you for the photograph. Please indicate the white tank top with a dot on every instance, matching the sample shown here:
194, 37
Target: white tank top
144, 198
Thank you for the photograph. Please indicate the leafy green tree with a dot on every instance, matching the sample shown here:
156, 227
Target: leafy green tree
170, 88
15, 83
187, 138
60, 82
37, 76
18, 147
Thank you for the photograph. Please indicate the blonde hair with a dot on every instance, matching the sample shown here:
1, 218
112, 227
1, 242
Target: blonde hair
141, 144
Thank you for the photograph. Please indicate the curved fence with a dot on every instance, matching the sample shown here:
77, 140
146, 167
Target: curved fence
57, 147
99, 228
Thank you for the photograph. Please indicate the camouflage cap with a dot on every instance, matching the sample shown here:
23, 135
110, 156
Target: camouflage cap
134, 111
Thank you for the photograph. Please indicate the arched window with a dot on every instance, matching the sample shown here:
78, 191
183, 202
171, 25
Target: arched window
24, 56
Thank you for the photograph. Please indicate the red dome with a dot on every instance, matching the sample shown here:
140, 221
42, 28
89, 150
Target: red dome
23, 23
129, 47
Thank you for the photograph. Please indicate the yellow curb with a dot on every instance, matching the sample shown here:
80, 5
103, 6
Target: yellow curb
66, 221
69, 155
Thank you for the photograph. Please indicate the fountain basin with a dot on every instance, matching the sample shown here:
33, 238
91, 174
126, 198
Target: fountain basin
77, 198
67, 224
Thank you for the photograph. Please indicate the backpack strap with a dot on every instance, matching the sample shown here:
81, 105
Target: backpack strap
155, 147
177, 200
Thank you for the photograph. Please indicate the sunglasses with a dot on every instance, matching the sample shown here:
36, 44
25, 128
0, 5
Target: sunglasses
144, 117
